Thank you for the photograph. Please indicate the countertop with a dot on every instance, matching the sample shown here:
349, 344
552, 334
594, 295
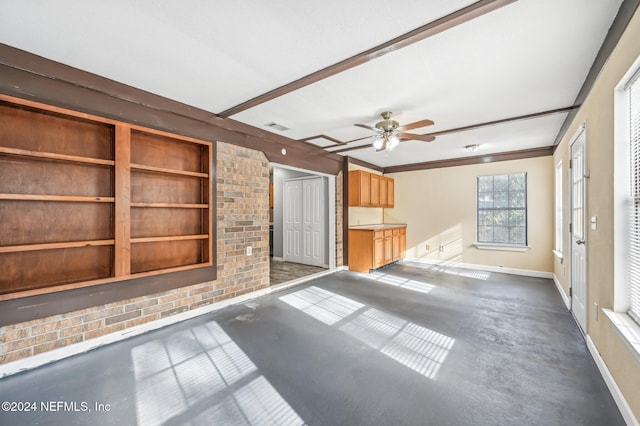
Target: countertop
379, 226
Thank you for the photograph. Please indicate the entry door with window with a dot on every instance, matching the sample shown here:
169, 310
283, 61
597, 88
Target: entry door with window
578, 231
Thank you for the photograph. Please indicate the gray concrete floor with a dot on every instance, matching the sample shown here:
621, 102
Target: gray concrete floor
404, 345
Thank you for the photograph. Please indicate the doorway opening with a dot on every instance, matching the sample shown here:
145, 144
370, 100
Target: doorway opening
302, 223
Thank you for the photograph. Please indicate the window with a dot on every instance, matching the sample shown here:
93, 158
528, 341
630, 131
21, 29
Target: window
558, 195
633, 222
626, 314
502, 209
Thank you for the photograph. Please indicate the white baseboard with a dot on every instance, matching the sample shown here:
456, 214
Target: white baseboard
618, 397
277, 259
565, 298
87, 345
499, 269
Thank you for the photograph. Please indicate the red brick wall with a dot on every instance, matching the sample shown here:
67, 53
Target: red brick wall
242, 220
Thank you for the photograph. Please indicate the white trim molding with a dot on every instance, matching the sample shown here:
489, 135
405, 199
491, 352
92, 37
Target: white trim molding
499, 269
618, 397
565, 297
501, 247
558, 255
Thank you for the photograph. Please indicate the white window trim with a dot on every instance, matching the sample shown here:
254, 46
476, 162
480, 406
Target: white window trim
559, 228
501, 246
506, 246
628, 329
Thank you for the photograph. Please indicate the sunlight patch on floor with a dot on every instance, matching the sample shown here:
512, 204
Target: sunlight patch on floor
321, 304
203, 369
396, 281
417, 347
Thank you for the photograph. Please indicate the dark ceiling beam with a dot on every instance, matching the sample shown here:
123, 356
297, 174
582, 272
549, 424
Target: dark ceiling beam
329, 138
28, 76
365, 164
439, 25
485, 124
478, 159
625, 13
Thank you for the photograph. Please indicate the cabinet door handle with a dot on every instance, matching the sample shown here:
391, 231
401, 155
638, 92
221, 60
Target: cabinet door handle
580, 242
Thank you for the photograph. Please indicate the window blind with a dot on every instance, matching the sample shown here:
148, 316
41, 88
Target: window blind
502, 209
634, 223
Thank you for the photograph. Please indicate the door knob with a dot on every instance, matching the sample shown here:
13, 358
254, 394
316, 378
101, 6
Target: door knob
580, 242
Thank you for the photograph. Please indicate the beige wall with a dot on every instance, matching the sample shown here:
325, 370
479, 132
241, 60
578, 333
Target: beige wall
598, 113
439, 208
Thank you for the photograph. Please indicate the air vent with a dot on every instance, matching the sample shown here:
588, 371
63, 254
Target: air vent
277, 126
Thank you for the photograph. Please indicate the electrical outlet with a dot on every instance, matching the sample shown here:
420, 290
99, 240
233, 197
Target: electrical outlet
427, 247
441, 248
249, 250
595, 307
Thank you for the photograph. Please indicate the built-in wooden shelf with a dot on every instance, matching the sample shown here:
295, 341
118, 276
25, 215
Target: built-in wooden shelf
63, 198
55, 246
171, 205
133, 186
169, 238
55, 157
167, 171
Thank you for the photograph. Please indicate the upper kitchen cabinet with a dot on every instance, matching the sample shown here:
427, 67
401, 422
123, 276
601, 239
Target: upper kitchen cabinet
370, 190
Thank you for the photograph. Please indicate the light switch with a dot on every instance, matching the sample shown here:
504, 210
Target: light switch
594, 223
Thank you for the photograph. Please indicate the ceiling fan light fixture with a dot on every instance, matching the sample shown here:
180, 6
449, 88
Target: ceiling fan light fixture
378, 143
392, 142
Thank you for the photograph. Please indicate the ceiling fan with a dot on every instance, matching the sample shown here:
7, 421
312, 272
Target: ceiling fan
389, 132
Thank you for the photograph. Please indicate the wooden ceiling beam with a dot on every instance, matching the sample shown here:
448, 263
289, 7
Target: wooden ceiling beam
439, 25
479, 125
478, 159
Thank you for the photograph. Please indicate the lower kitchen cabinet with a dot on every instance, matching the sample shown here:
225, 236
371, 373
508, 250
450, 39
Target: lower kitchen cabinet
375, 246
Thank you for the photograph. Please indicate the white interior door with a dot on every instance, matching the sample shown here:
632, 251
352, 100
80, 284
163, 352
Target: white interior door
313, 221
578, 231
293, 221
304, 233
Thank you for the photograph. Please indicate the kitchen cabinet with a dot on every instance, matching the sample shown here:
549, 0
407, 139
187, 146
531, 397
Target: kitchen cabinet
384, 191
374, 246
390, 193
359, 188
370, 190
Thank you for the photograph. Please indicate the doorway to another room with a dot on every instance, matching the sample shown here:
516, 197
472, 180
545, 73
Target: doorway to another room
302, 223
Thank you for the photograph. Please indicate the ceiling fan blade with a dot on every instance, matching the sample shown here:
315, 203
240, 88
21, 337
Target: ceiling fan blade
364, 126
416, 125
415, 137
360, 139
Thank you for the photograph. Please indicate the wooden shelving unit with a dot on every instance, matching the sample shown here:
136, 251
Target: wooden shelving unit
86, 200
171, 177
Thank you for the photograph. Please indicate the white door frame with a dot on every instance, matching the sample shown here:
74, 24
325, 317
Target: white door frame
330, 232
579, 228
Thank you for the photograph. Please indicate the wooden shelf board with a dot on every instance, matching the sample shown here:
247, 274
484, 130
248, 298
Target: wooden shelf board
56, 157
63, 287
167, 171
169, 238
63, 198
171, 205
54, 246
